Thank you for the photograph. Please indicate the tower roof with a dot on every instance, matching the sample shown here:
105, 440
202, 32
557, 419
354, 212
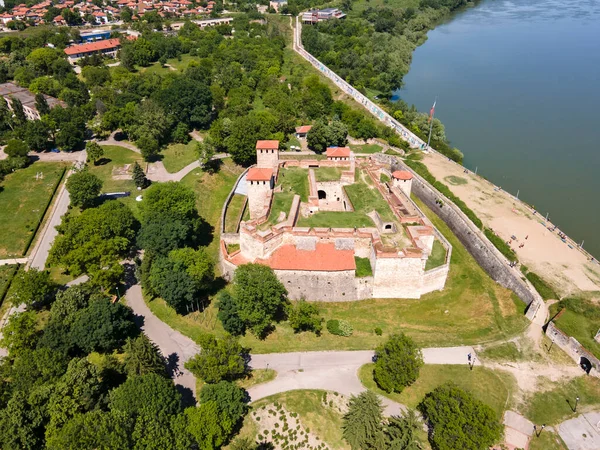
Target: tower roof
339, 152
259, 174
267, 145
402, 175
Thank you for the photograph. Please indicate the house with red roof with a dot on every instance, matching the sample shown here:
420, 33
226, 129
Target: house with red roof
338, 153
108, 47
302, 131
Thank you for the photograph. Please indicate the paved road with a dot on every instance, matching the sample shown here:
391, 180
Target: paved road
11, 261
582, 432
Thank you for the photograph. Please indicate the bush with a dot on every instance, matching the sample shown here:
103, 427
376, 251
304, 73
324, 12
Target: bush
339, 328
304, 316
378, 331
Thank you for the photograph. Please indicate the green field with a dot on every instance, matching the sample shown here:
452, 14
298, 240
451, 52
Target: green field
491, 387
547, 440
115, 159
472, 309
23, 202
211, 191
282, 202
437, 257
178, 156
556, 403
234, 209
294, 180
366, 148
329, 173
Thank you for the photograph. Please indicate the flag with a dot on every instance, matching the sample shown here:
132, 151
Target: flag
432, 111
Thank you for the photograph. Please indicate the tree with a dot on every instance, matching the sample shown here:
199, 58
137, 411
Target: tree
401, 432
162, 234
170, 199
304, 316
208, 425
84, 188
69, 137
34, 288
103, 326
459, 420
41, 104
322, 135
197, 264
229, 315
36, 134
205, 153
16, 148
219, 359
362, 424
20, 333
146, 395
231, 400
18, 111
142, 357
397, 364
94, 152
139, 177
189, 100
68, 303
259, 295
173, 284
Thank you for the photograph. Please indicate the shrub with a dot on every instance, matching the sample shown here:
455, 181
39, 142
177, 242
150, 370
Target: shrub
378, 331
398, 362
304, 316
339, 327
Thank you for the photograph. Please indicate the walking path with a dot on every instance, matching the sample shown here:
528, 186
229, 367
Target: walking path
11, 261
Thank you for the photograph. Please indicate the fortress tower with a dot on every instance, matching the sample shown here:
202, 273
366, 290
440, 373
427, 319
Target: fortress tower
403, 180
267, 154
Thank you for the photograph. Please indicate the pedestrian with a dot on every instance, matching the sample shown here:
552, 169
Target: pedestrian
469, 356
526, 237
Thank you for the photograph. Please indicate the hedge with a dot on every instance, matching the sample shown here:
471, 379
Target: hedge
422, 170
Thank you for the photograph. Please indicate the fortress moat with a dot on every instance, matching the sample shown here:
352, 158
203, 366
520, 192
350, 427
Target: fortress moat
335, 229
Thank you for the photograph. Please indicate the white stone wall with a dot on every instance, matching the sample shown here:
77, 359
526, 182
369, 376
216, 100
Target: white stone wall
267, 158
257, 196
397, 278
405, 185
435, 279
319, 285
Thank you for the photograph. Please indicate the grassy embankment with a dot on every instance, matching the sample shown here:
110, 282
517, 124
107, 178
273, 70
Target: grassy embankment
366, 148
23, 202
437, 257
492, 387
233, 212
470, 310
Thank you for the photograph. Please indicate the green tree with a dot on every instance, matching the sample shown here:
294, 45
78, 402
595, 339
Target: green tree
401, 432
229, 315
41, 104
219, 359
170, 199
33, 287
142, 357
397, 364
198, 264
231, 400
362, 424
84, 188
139, 177
259, 295
103, 326
459, 420
94, 152
18, 111
172, 282
162, 234
146, 395
16, 148
205, 151
304, 316
69, 137
20, 333
36, 134
68, 303
189, 100
208, 425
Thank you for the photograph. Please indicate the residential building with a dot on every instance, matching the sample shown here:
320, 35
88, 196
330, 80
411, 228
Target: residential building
321, 15
277, 4
108, 47
11, 91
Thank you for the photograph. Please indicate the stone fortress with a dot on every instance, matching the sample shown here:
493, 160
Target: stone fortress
385, 257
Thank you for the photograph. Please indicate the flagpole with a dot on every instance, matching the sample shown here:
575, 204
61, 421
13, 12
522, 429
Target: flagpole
431, 122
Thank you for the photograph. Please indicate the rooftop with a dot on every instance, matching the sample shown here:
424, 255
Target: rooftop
343, 152
267, 145
325, 257
303, 129
402, 175
258, 174
92, 46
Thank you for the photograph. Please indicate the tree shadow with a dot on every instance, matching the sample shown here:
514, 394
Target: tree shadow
187, 396
213, 166
570, 406
204, 233
172, 365
120, 136
265, 446
216, 286
102, 161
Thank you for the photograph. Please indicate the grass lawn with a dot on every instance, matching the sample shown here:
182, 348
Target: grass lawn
581, 328
437, 257
321, 420
282, 202
507, 351
233, 212
115, 158
363, 267
177, 156
211, 191
292, 141
491, 387
6, 275
366, 148
547, 440
23, 202
455, 181
329, 173
366, 199
555, 404
336, 219
295, 180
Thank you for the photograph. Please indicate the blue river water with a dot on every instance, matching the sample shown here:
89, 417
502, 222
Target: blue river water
518, 87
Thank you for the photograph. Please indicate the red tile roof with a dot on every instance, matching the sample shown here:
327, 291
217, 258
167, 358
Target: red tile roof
402, 175
256, 174
325, 258
267, 145
92, 46
338, 152
303, 129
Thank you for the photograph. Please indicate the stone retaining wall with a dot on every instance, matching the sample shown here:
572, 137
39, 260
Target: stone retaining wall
572, 347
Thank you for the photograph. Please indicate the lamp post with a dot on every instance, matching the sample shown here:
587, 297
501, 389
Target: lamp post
537, 434
576, 402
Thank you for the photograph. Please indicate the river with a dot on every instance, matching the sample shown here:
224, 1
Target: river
518, 87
